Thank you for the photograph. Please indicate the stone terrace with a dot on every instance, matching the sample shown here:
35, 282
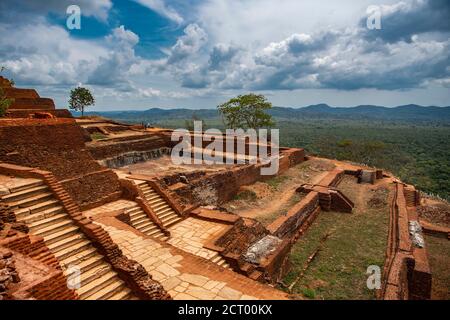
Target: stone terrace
182, 274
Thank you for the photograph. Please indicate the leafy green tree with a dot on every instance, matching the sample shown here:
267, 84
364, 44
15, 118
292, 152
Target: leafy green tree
81, 98
5, 102
246, 111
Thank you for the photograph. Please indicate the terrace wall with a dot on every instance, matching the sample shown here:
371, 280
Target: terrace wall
58, 146
34, 254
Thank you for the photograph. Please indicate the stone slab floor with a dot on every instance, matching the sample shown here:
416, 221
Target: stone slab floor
191, 234
183, 275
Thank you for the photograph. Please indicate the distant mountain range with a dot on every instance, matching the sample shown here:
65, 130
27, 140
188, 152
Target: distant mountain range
407, 113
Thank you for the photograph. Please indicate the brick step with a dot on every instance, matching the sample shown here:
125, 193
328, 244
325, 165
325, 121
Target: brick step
79, 257
161, 236
160, 206
90, 263
75, 248
156, 233
150, 194
164, 210
36, 208
139, 219
30, 201
220, 262
125, 294
27, 186
41, 215
53, 228
149, 228
97, 284
144, 225
156, 201
138, 216
132, 209
41, 227
172, 222
109, 291
94, 273
152, 197
167, 213
169, 217
60, 235
65, 242
16, 196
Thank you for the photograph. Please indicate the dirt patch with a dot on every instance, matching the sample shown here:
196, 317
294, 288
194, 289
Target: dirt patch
261, 190
265, 201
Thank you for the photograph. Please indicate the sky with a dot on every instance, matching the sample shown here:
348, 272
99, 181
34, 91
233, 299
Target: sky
139, 54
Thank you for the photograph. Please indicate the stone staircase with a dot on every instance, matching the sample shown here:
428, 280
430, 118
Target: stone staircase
140, 221
219, 260
35, 205
159, 205
165, 213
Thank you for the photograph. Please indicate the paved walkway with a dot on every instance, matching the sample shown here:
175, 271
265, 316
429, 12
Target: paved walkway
183, 275
191, 234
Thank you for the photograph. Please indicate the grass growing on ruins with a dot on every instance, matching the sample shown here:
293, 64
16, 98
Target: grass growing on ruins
439, 258
276, 181
356, 241
97, 136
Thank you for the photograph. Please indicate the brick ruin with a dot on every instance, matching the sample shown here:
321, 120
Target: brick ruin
63, 196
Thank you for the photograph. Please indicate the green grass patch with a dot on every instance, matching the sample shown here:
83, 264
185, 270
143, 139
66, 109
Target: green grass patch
247, 195
275, 182
98, 136
357, 241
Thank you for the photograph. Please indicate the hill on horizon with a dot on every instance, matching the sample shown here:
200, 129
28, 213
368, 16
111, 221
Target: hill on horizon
407, 113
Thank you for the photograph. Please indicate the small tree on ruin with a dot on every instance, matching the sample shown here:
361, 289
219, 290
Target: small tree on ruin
80, 98
246, 111
5, 102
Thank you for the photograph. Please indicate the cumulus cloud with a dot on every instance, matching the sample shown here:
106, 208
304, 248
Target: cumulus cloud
221, 55
161, 8
91, 8
113, 68
52, 57
403, 20
250, 45
343, 59
188, 44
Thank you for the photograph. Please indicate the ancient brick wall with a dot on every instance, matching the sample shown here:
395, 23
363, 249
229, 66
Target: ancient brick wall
18, 113
38, 103
287, 225
57, 146
407, 273
216, 188
111, 149
32, 251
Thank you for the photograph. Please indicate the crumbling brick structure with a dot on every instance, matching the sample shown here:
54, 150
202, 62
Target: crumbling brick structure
27, 102
407, 273
58, 146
